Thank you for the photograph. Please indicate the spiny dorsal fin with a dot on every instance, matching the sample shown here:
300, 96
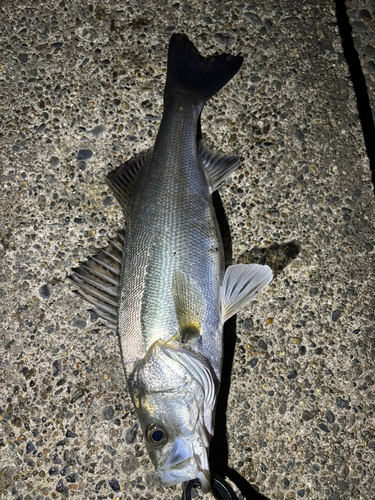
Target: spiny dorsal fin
122, 180
99, 280
218, 165
188, 305
241, 284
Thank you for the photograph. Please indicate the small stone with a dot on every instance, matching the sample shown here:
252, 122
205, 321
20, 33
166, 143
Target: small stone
253, 362
224, 39
301, 493
93, 316
72, 478
16, 149
45, 292
30, 447
56, 367
286, 482
369, 247
248, 324
292, 375
78, 220
62, 442
23, 58
323, 427
60, 486
293, 447
282, 408
262, 346
330, 417
308, 415
294, 340
107, 201
108, 413
131, 434
357, 193
336, 314
80, 324
53, 471
41, 128
302, 350
111, 450
54, 161
319, 350
113, 483
269, 321
341, 403
84, 154
253, 17
97, 131
70, 434
78, 394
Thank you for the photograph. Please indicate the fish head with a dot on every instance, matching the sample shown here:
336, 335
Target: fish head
174, 392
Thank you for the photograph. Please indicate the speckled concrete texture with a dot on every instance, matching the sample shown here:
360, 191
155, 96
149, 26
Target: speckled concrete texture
81, 90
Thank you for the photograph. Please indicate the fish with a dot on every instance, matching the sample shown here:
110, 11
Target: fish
162, 283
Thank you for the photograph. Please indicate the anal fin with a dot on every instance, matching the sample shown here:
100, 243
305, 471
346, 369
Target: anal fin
241, 285
99, 279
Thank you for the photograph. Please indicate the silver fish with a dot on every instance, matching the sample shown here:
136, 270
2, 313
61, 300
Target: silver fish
163, 284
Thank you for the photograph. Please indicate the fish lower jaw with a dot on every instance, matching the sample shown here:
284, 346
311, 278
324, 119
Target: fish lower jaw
184, 471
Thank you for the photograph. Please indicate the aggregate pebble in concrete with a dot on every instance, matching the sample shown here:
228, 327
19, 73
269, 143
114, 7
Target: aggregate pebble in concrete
79, 77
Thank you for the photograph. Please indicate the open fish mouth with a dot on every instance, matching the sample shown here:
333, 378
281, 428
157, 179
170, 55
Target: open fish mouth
183, 464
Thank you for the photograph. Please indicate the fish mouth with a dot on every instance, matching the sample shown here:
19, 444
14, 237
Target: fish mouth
184, 464
185, 471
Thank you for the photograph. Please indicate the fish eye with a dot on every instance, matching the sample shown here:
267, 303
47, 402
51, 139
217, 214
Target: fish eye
156, 434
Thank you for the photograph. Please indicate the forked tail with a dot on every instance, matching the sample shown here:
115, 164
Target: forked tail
198, 76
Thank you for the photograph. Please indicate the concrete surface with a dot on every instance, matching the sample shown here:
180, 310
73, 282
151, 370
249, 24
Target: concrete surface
89, 77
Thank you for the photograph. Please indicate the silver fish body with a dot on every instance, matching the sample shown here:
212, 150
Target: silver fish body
171, 226
173, 292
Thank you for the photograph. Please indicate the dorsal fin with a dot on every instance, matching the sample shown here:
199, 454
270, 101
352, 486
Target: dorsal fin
99, 280
218, 165
122, 180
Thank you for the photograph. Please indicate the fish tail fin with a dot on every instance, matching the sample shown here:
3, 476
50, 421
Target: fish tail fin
201, 76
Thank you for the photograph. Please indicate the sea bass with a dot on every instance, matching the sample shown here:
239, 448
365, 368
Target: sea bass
162, 284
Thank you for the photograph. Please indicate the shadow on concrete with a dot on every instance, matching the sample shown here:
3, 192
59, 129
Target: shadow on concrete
219, 447
276, 256
359, 82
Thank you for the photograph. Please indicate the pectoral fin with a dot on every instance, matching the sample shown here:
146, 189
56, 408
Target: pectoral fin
218, 165
188, 305
241, 284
